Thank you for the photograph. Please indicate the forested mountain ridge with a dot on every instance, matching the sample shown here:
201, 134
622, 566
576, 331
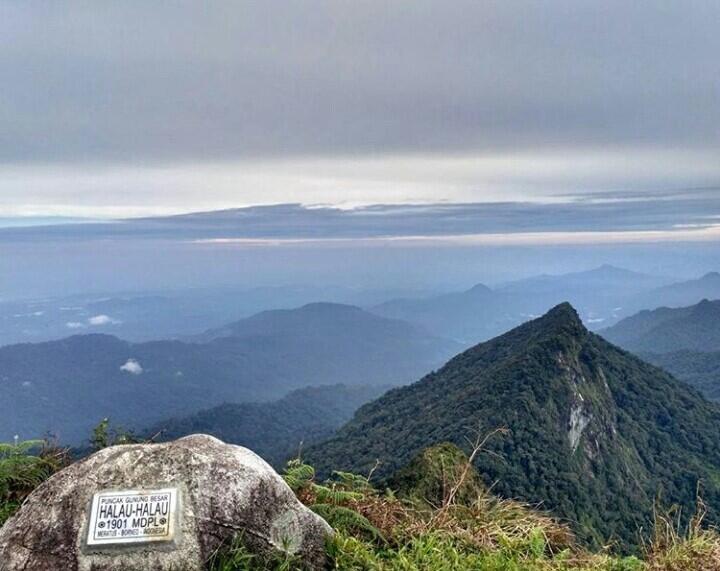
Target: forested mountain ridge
664, 330
275, 430
66, 386
595, 434
699, 369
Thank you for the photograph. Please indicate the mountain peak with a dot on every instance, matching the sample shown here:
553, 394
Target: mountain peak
560, 328
711, 276
706, 307
609, 271
611, 268
561, 317
329, 307
563, 310
479, 288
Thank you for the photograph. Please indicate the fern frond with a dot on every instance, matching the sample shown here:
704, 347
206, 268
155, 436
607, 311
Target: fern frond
298, 475
348, 521
334, 495
352, 481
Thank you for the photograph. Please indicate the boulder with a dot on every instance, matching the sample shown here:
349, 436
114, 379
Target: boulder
219, 491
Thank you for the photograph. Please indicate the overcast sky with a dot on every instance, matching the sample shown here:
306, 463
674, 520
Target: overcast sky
136, 108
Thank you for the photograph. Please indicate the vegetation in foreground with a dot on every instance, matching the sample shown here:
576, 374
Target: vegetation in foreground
23, 467
440, 517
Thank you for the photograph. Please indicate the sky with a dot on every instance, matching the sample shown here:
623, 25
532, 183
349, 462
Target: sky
126, 109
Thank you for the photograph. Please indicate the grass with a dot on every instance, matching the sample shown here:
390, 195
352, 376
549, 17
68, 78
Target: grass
440, 551
236, 557
697, 548
378, 531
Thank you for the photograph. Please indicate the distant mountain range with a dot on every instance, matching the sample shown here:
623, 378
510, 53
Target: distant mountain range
681, 293
67, 386
595, 434
617, 280
276, 430
602, 296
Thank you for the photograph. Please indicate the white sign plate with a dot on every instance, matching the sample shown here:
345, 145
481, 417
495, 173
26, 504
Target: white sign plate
132, 516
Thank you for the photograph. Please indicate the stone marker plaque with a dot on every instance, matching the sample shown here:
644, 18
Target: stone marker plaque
132, 516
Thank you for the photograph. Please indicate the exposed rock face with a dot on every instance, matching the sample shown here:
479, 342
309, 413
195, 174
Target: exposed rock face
223, 490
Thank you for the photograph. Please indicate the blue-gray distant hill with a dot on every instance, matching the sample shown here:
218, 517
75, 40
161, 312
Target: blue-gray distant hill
680, 294
66, 386
664, 330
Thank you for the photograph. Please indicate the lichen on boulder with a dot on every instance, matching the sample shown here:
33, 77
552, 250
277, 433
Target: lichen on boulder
224, 491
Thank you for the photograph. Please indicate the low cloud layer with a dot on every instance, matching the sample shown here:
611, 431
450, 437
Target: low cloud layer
132, 366
101, 320
94, 321
684, 215
543, 176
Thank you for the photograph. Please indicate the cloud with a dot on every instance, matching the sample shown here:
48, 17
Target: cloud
702, 233
132, 366
97, 320
94, 321
652, 219
267, 78
348, 103
547, 175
